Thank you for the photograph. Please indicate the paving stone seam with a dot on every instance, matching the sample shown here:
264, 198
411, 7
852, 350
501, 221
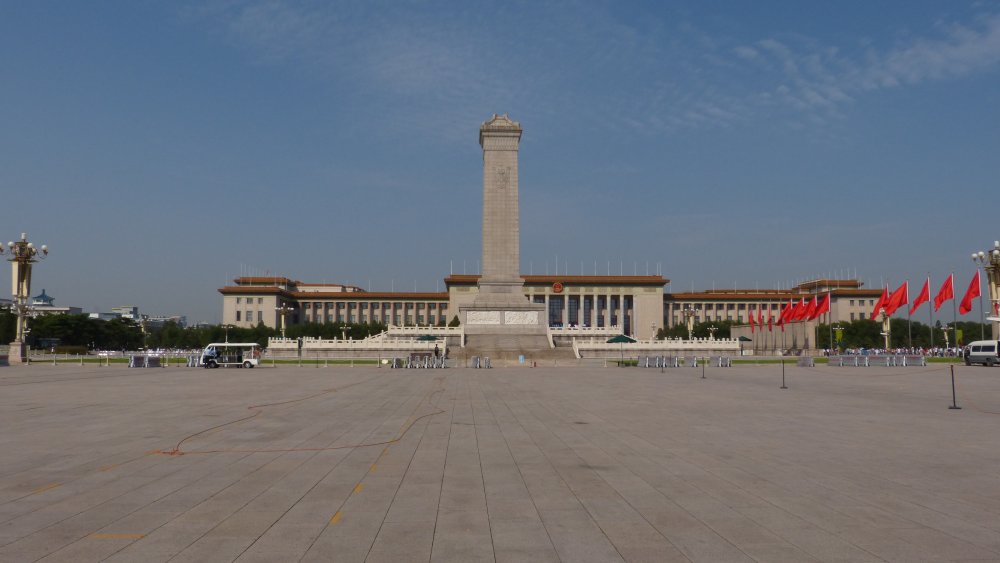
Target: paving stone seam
560, 475
344, 501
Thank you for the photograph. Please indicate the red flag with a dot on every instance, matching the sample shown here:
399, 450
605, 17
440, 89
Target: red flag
974, 291
946, 293
770, 322
760, 318
823, 307
881, 302
898, 298
807, 311
796, 313
785, 311
750, 314
925, 296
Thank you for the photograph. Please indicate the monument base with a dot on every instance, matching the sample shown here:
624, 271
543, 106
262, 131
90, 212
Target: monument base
497, 323
18, 353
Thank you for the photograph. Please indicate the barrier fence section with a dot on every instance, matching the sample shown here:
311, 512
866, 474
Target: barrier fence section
657, 361
914, 360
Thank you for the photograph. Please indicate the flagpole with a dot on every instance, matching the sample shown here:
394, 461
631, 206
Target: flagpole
909, 329
930, 310
982, 311
829, 320
954, 315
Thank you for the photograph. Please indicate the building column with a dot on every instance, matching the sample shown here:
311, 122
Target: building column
621, 311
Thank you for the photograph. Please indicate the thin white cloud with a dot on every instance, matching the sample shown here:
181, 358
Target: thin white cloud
448, 68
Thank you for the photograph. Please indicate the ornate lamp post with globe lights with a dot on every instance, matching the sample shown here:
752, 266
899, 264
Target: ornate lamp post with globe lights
990, 261
22, 255
689, 321
283, 311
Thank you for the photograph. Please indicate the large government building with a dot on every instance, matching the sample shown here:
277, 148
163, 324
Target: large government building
638, 304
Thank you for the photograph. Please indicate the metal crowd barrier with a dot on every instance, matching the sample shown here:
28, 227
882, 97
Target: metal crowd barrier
144, 362
691, 361
805, 362
657, 361
878, 361
720, 361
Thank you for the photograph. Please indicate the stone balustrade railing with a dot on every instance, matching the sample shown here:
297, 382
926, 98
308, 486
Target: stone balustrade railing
599, 347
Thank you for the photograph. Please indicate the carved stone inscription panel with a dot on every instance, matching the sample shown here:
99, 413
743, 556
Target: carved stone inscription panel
520, 317
483, 317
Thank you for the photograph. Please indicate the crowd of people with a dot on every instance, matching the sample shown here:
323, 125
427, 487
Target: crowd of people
937, 351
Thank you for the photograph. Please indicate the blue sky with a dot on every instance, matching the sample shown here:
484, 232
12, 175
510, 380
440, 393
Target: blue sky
163, 148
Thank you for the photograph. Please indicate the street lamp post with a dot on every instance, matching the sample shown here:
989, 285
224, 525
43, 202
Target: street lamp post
22, 255
990, 261
711, 332
886, 328
689, 321
283, 310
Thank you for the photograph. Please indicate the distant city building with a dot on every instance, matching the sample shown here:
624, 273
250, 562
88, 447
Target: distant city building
43, 304
104, 316
127, 312
157, 321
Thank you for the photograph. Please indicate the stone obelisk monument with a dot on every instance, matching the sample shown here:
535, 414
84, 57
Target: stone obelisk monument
501, 319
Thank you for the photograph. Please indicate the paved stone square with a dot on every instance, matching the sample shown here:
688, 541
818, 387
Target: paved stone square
557, 464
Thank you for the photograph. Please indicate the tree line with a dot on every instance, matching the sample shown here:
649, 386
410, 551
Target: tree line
77, 333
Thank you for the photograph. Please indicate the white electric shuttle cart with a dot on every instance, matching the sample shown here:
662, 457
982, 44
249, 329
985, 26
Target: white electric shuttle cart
232, 354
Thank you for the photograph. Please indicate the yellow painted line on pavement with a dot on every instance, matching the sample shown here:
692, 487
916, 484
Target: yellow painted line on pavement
117, 536
109, 467
44, 488
336, 518
358, 488
373, 468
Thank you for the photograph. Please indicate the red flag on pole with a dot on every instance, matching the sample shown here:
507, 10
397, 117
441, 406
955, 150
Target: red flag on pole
898, 298
824, 307
798, 310
760, 318
881, 302
974, 291
810, 309
946, 293
750, 314
783, 314
925, 296
770, 322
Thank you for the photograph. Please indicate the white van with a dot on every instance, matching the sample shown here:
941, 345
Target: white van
986, 352
236, 354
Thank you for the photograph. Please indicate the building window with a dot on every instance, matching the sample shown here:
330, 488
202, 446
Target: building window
861, 315
237, 316
852, 316
249, 316
852, 304
307, 305
260, 300
238, 299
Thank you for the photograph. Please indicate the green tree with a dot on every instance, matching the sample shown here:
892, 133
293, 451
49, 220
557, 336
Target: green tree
8, 326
